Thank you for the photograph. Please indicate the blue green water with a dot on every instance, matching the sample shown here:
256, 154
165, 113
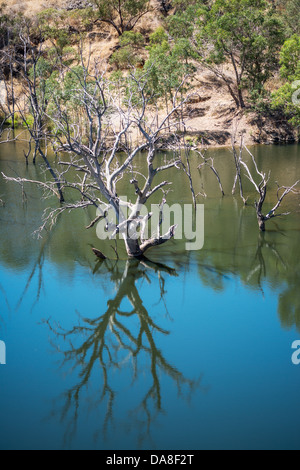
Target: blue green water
193, 353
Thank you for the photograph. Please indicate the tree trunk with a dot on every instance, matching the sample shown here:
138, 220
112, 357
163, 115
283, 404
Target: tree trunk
132, 247
241, 98
261, 222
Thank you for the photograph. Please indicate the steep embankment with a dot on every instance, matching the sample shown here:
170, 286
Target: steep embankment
211, 116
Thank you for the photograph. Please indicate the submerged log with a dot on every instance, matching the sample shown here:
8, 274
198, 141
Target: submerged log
99, 254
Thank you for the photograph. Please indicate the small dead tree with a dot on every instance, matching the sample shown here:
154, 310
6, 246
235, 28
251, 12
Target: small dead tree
117, 131
237, 155
35, 100
9, 83
262, 188
5, 112
8, 69
209, 161
182, 150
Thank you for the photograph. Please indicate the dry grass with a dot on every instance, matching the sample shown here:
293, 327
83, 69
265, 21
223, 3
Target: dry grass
213, 114
29, 7
32, 7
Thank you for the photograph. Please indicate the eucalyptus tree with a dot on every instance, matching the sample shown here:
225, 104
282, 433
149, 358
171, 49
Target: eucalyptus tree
56, 26
167, 66
287, 97
127, 56
247, 34
122, 15
9, 52
289, 9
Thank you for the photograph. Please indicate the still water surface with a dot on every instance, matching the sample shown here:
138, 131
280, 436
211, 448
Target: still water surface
191, 353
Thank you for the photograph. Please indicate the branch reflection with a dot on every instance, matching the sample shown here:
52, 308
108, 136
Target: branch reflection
117, 338
259, 270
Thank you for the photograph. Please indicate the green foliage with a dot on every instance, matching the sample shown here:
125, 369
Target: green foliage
182, 24
52, 22
284, 99
289, 10
246, 28
42, 69
125, 58
260, 101
19, 121
131, 84
131, 38
167, 67
10, 28
55, 26
29, 121
158, 37
117, 81
183, 5
287, 97
248, 33
71, 92
52, 15
290, 59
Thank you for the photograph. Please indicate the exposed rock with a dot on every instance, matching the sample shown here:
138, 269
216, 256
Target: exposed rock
98, 35
197, 98
77, 4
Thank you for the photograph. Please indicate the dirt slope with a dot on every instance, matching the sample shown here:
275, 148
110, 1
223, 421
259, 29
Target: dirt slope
211, 116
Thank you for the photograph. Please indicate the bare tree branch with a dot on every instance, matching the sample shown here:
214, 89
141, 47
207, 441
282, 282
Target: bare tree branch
261, 188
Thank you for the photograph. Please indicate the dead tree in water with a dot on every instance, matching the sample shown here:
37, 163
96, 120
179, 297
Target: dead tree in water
238, 162
209, 161
27, 61
262, 188
94, 125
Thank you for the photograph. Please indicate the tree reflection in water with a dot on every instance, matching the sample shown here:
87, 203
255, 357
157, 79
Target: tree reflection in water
5, 301
259, 268
112, 339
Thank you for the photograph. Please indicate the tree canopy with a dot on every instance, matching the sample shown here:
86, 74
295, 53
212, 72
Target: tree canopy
246, 33
123, 15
